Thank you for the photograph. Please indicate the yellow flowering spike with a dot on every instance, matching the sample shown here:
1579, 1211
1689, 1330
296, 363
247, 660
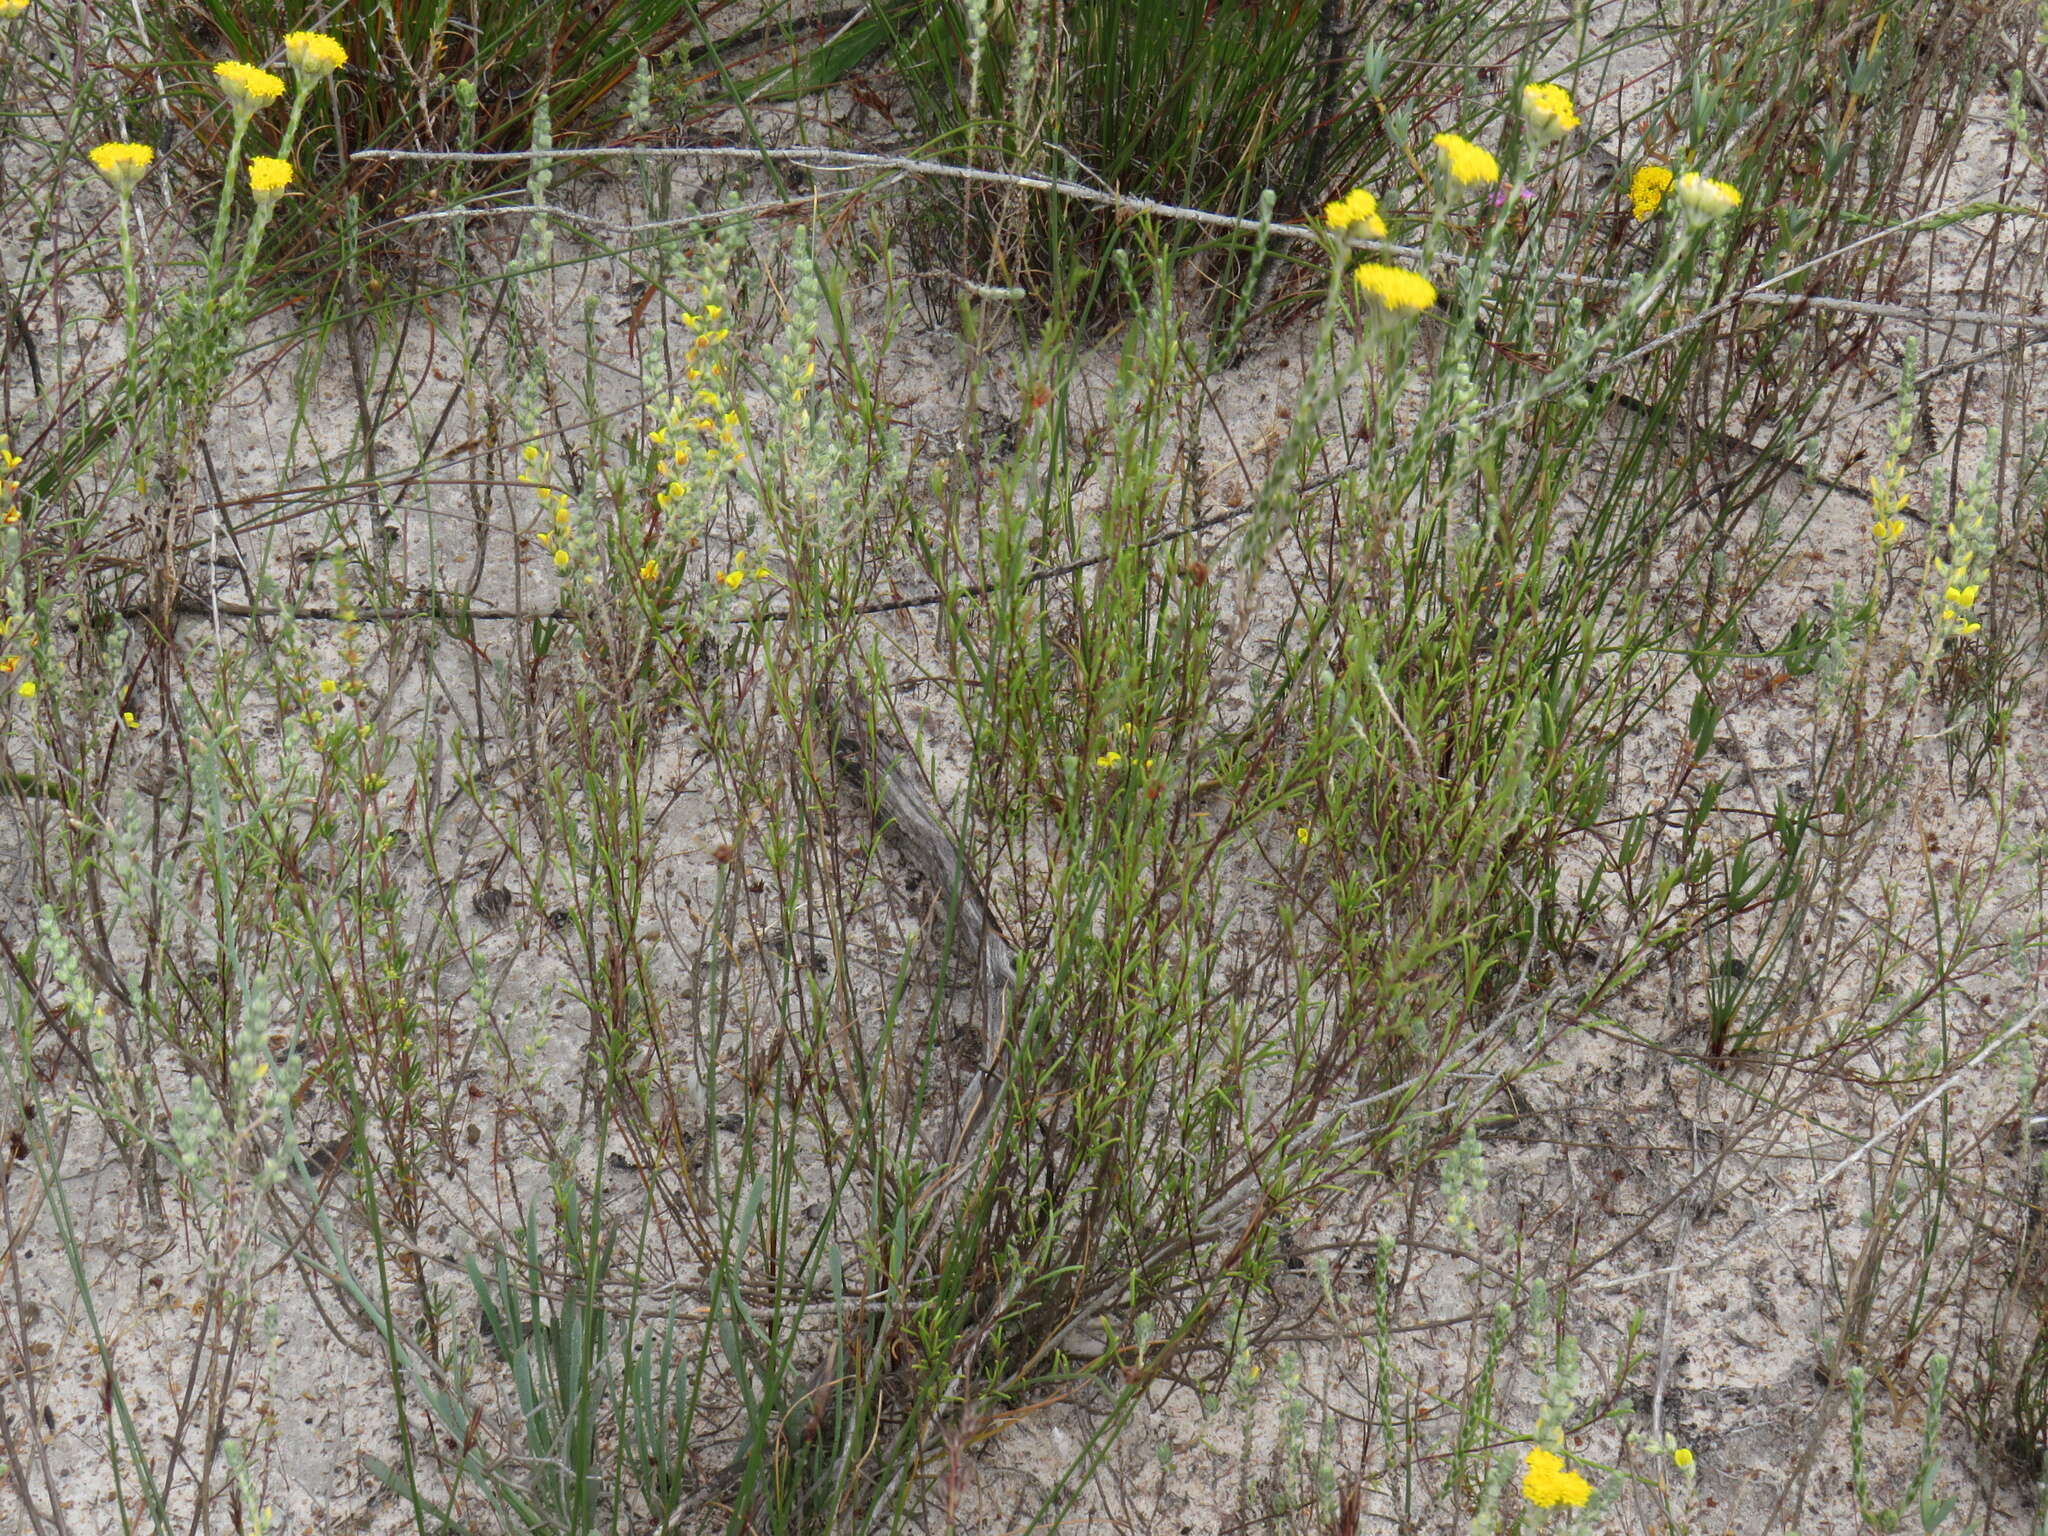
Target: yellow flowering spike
1705, 201
1646, 189
123, 165
1356, 214
1394, 292
248, 89
1546, 1484
1464, 163
1547, 112
268, 178
649, 570
313, 55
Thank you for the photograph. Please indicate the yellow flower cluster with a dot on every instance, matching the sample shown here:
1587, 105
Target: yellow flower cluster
1958, 600
733, 579
1394, 292
1705, 200
1356, 214
699, 433
1463, 163
557, 534
313, 55
1546, 1484
1646, 190
248, 89
10, 487
12, 661
1547, 112
268, 178
123, 165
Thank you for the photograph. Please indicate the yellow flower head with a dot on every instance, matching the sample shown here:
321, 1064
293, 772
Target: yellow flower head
1547, 112
268, 177
1705, 201
1301, 836
1357, 213
1109, 759
1888, 531
733, 579
1646, 189
9, 9
1962, 597
313, 55
248, 89
128, 719
561, 559
28, 689
1546, 1484
123, 165
649, 570
1464, 163
1394, 292
1682, 1458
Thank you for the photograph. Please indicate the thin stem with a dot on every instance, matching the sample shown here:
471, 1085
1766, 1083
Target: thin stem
227, 198
131, 289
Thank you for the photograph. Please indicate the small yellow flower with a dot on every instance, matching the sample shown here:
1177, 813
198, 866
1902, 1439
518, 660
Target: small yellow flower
1109, 759
561, 559
1888, 531
1356, 214
123, 165
28, 689
248, 89
1962, 597
268, 178
8, 664
1546, 1484
1704, 200
1547, 112
9, 9
1646, 189
732, 579
313, 55
761, 573
1683, 1458
128, 719
649, 570
1301, 836
328, 685
1464, 163
1395, 292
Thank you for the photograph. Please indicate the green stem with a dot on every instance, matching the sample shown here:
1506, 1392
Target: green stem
131, 291
250, 243
227, 198
291, 123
